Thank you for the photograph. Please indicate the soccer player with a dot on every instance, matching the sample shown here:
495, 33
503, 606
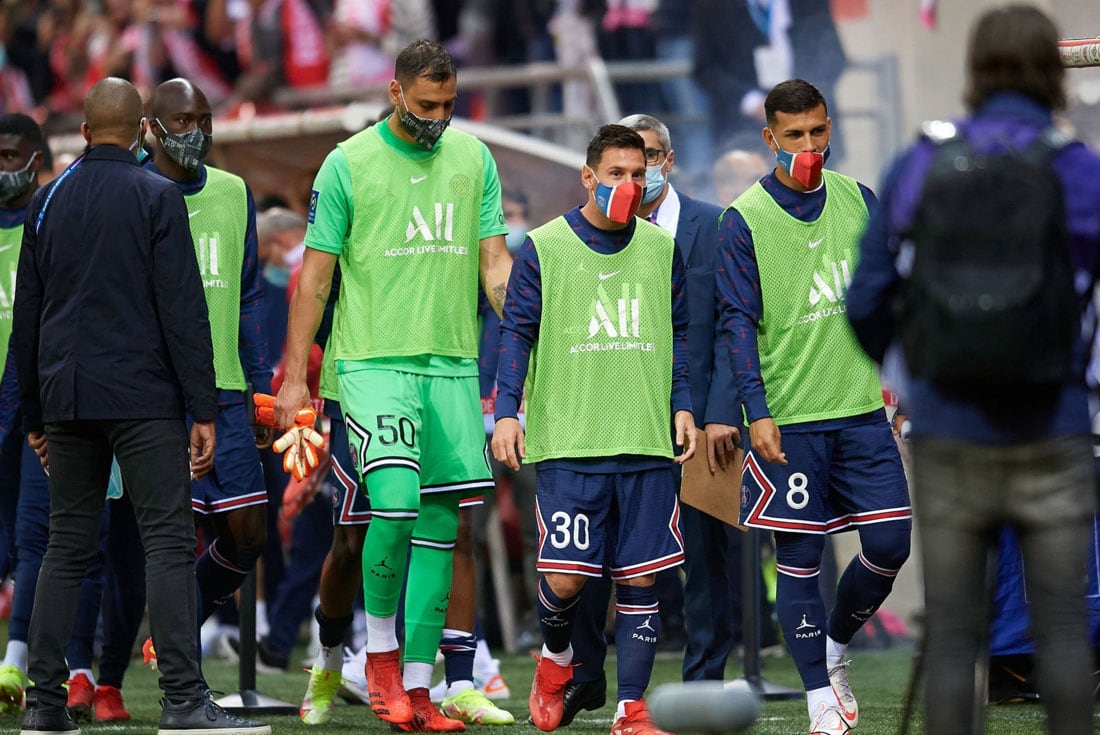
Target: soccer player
822, 458
601, 292
24, 494
411, 209
223, 226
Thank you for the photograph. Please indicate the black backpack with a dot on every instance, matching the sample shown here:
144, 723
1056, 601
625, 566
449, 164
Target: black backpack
990, 299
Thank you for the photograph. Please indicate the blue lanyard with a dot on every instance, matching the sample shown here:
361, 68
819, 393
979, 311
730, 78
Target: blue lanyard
53, 190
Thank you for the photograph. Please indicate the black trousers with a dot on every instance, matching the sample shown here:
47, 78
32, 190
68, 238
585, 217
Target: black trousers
153, 456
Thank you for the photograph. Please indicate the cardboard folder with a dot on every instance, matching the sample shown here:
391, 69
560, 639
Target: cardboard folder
719, 494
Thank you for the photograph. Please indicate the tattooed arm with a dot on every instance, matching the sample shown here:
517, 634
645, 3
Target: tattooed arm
495, 266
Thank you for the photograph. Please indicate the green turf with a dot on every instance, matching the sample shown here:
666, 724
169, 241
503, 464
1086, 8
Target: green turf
878, 679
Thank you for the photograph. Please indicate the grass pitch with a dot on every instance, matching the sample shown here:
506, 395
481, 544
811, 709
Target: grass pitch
878, 678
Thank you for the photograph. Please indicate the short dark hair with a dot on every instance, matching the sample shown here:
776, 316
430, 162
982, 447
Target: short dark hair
16, 123
424, 58
1015, 48
514, 195
792, 97
612, 136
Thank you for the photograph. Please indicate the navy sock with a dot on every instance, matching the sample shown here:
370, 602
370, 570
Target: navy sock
555, 617
862, 588
458, 657
332, 632
799, 605
802, 617
637, 626
219, 573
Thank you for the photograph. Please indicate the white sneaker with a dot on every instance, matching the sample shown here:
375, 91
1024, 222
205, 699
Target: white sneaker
438, 692
489, 683
838, 677
828, 720
353, 686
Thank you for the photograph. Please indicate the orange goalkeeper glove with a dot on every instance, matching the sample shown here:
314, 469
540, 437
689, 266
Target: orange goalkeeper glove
299, 445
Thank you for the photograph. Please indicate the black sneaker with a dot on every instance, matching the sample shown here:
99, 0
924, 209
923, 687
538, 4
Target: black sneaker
586, 695
204, 717
45, 720
267, 660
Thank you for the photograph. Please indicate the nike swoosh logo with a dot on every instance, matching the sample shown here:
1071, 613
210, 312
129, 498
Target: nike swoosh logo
605, 276
815, 243
417, 179
6, 247
192, 214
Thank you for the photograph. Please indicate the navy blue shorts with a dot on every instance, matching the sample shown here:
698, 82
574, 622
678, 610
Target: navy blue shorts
628, 523
832, 480
237, 479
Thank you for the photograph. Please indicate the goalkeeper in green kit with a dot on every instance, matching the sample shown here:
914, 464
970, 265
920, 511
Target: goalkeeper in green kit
411, 211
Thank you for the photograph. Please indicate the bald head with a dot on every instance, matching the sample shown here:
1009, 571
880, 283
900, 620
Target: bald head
177, 95
112, 112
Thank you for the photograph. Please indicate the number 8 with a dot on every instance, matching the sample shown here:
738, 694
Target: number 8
797, 495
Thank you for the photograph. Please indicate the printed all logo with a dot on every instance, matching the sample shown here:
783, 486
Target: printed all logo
616, 318
7, 296
833, 285
207, 246
441, 227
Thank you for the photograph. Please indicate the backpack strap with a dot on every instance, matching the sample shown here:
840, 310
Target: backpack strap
1045, 146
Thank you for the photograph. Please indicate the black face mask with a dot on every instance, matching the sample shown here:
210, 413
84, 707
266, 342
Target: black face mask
14, 184
188, 149
425, 130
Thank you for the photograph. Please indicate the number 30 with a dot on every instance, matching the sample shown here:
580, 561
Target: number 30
563, 534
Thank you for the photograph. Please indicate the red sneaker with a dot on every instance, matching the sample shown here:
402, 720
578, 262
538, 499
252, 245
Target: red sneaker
636, 721
426, 718
388, 698
81, 692
107, 704
548, 693
149, 654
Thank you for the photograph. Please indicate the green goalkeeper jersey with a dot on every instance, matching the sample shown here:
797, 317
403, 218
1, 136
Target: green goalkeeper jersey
811, 364
407, 225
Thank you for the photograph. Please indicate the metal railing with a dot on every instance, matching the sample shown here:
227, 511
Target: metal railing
550, 120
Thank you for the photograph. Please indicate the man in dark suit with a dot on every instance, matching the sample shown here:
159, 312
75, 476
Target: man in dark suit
737, 41
708, 611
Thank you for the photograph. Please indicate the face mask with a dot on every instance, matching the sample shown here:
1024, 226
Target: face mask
187, 149
277, 275
654, 183
515, 237
620, 202
138, 148
426, 131
804, 167
14, 184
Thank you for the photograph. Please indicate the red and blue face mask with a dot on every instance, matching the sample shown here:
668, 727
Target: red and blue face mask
804, 167
619, 202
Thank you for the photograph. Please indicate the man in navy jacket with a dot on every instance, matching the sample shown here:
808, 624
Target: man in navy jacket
981, 462
112, 345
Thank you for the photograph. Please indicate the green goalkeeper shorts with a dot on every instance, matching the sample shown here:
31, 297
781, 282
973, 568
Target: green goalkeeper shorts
430, 424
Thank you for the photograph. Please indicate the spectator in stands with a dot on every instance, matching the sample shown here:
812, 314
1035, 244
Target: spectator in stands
736, 170
744, 47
